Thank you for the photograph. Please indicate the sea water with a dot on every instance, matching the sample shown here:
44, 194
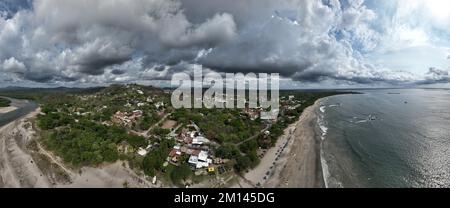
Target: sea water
386, 138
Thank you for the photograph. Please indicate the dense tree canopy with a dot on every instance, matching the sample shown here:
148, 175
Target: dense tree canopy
4, 102
153, 161
181, 172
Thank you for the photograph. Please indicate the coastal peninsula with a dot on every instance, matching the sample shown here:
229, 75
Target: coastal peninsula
155, 146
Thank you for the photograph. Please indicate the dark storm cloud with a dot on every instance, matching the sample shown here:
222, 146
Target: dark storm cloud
40, 76
165, 72
78, 41
17, 68
296, 39
318, 76
261, 49
367, 76
97, 65
7, 79
168, 57
117, 72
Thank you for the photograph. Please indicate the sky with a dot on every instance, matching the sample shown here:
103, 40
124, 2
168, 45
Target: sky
310, 43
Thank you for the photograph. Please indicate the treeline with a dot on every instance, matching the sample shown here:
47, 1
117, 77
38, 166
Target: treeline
153, 161
4, 102
244, 156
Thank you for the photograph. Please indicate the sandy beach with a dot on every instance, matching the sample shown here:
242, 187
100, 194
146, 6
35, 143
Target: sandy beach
294, 162
17, 167
7, 109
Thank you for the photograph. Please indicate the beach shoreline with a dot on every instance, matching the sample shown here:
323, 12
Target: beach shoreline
7, 109
294, 161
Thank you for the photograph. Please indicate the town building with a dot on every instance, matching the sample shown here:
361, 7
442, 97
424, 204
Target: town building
200, 161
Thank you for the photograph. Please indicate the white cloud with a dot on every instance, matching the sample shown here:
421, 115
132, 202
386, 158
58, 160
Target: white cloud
60, 41
14, 66
65, 39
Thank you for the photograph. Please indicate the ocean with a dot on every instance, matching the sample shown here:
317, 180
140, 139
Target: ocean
386, 138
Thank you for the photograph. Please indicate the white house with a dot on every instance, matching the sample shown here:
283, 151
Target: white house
159, 104
200, 161
199, 140
142, 152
